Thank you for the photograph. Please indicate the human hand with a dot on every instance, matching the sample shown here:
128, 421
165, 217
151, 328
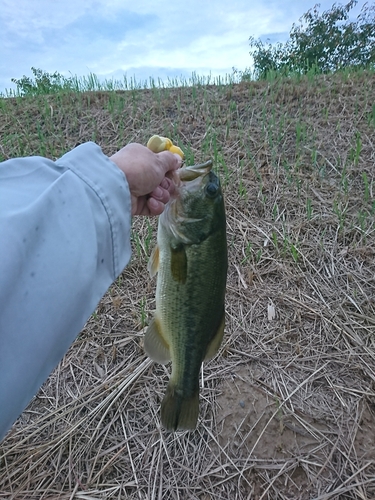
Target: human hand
149, 176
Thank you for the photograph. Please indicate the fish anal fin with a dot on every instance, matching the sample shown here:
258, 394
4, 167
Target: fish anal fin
179, 412
215, 343
155, 345
179, 264
153, 263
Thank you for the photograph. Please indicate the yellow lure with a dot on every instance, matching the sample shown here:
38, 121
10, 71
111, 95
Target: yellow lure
157, 144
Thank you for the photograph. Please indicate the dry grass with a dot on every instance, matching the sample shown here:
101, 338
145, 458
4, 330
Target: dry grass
288, 405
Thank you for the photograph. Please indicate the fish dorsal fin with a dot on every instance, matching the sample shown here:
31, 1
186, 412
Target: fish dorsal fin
156, 347
153, 263
214, 345
179, 264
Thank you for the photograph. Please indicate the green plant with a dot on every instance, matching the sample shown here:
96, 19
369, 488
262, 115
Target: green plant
222, 166
242, 190
247, 252
148, 238
367, 187
340, 211
143, 313
136, 239
143, 243
356, 151
294, 252
371, 116
43, 83
345, 179
362, 219
320, 43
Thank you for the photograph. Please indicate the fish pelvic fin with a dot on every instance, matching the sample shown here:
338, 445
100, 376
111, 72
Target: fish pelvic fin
179, 412
156, 347
215, 343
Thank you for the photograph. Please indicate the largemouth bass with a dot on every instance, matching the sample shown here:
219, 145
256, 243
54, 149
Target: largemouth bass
191, 261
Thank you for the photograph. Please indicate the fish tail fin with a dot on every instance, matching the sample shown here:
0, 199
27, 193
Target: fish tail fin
179, 411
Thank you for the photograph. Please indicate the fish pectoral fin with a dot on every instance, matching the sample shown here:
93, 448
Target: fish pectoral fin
179, 264
156, 347
214, 345
153, 263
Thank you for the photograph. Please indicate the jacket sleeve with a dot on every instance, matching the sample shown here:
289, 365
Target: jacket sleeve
64, 238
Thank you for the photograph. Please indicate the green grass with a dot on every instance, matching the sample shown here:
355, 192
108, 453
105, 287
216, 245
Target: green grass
296, 160
35, 85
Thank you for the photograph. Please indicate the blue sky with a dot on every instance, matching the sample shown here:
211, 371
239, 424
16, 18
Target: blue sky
144, 39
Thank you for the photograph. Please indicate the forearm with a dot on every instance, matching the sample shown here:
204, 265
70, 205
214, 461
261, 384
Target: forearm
64, 238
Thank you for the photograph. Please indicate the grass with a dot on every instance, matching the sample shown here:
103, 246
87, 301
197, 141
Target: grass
42, 83
287, 407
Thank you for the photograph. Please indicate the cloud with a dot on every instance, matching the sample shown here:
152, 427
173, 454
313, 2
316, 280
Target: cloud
112, 36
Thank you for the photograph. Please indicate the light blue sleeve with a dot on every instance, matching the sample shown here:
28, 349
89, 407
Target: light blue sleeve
64, 238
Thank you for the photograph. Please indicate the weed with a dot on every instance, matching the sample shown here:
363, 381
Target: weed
362, 220
247, 252
308, 209
371, 116
366, 194
294, 252
340, 212
142, 312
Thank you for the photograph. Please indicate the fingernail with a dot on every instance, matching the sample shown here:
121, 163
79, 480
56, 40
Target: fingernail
155, 206
178, 158
153, 203
158, 192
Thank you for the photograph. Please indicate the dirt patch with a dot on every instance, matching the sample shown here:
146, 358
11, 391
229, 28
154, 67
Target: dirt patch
260, 426
364, 441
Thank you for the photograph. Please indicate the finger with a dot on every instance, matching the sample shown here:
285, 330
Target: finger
169, 161
169, 185
166, 183
160, 194
156, 207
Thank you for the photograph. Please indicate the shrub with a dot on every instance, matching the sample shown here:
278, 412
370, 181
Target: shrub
321, 42
42, 83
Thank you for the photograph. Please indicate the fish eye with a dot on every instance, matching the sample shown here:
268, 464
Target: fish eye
211, 190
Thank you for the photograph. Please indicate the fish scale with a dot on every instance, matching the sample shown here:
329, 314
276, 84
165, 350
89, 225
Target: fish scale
191, 261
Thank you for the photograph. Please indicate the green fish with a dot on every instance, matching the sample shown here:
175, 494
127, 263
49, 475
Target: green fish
191, 261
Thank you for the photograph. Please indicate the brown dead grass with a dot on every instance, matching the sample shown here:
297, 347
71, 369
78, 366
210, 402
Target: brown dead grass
288, 405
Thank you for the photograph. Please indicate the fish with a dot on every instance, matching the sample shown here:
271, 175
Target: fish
191, 260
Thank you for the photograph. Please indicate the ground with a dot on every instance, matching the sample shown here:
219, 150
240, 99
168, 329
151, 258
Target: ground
288, 404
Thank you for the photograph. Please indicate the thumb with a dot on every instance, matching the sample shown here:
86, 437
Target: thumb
169, 161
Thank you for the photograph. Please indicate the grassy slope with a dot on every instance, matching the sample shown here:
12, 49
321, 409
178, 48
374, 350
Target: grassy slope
288, 405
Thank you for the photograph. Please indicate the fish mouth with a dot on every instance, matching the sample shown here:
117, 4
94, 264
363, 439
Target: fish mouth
194, 171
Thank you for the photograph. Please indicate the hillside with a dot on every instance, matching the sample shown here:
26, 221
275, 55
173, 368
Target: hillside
288, 405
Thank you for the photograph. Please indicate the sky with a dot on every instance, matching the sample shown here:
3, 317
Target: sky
140, 39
